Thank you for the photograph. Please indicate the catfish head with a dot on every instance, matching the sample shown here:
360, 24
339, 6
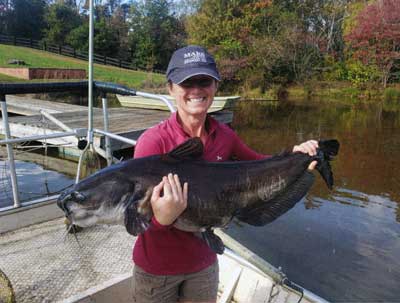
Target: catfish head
105, 197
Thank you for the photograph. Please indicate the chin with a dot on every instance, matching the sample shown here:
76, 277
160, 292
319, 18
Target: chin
197, 111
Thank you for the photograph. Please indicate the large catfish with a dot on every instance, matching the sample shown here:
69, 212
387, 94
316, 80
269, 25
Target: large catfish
255, 192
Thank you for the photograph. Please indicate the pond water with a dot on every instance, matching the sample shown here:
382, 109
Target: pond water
344, 244
35, 180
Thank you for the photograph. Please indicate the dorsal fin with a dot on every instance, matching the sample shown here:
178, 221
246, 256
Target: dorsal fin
188, 150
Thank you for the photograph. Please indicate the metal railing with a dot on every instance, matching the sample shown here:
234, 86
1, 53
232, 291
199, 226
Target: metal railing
28, 88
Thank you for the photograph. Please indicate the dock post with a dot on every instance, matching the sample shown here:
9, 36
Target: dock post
107, 139
10, 152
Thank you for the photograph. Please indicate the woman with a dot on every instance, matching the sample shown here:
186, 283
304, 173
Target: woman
173, 265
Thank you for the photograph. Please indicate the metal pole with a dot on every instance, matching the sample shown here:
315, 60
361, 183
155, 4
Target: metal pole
55, 120
10, 152
75, 133
90, 84
107, 139
117, 137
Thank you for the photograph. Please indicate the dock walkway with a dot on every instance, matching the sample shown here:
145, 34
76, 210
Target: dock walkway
27, 106
127, 122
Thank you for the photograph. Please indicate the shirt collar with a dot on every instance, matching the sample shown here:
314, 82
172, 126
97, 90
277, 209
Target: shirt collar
210, 121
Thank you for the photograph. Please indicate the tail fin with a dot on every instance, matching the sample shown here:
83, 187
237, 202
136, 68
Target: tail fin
326, 151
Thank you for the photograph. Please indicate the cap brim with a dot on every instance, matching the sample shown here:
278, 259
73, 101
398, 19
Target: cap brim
178, 77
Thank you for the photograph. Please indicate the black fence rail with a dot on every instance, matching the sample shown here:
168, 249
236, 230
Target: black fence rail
51, 87
71, 52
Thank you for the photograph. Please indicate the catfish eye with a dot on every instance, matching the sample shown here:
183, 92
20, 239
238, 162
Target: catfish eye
77, 196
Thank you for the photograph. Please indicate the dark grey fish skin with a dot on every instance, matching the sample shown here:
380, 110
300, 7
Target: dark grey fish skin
255, 192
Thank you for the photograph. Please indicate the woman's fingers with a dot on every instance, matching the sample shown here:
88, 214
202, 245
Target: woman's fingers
178, 187
312, 165
157, 190
308, 147
167, 187
174, 187
185, 193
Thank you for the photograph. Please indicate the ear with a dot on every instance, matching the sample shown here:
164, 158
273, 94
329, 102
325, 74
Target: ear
170, 87
216, 85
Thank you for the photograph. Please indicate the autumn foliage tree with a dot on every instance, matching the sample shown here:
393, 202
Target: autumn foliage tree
375, 38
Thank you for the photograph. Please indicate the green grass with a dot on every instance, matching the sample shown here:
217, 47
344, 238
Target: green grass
6, 78
37, 58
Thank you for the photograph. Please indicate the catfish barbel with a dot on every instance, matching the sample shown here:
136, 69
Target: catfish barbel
255, 192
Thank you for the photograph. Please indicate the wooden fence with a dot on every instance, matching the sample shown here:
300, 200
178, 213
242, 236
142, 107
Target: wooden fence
71, 52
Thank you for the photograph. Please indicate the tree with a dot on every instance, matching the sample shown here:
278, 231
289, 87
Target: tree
61, 20
5, 8
26, 18
375, 39
231, 30
154, 33
256, 43
119, 23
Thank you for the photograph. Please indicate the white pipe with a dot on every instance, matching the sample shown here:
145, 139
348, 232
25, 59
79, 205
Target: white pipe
90, 83
107, 139
10, 153
117, 137
158, 97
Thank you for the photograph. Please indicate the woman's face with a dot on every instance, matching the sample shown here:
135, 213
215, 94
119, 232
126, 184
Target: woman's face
195, 95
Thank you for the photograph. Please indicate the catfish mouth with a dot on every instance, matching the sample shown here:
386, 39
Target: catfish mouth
70, 203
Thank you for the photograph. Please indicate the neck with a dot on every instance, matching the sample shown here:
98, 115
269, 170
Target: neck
194, 126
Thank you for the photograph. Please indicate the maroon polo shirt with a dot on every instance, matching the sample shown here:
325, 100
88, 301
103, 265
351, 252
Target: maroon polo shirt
165, 250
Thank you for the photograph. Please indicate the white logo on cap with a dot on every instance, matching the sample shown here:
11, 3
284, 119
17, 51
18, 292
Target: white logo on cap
194, 57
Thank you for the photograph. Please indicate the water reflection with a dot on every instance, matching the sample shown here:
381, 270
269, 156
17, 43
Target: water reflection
41, 177
341, 244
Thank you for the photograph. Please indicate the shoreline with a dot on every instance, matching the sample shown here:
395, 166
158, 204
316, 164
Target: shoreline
328, 90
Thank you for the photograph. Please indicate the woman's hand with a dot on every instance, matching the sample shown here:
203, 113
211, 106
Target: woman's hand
308, 147
169, 199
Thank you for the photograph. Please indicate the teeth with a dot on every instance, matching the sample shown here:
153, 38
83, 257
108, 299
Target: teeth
196, 99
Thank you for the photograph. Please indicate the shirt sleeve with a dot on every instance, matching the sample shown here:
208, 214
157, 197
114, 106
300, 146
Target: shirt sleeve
155, 225
242, 152
148, 144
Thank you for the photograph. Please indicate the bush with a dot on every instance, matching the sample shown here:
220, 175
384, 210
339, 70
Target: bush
335, 70
360, 74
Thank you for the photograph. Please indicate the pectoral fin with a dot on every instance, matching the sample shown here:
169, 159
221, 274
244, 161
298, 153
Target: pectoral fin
271, 210
135, 222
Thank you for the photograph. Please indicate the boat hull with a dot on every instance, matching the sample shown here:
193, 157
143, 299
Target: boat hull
219, 103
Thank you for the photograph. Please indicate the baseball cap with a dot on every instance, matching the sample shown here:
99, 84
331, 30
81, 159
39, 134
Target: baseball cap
190, 61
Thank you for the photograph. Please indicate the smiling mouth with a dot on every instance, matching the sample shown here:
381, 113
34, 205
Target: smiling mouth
197, 100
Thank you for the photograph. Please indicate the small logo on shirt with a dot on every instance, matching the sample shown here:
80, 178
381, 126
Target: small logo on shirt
219, 158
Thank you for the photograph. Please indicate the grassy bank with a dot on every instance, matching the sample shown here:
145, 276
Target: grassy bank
37, 58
